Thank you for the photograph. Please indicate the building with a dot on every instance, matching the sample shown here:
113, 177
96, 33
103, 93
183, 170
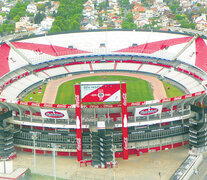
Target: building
32, 8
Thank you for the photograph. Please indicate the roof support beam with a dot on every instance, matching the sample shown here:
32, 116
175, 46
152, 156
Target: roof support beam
186, 46
18, 52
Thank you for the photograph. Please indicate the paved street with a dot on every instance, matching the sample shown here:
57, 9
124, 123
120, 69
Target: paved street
147, 166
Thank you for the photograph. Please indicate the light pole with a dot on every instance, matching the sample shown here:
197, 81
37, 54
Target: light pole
113, 161
114, 150
54, 165
160, 175
34, 137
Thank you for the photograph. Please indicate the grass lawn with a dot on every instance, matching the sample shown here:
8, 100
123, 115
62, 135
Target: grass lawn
35, 97
172, 91
137, 89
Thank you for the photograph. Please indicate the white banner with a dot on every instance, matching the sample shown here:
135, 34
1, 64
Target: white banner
54, 114
146, 111
101, 124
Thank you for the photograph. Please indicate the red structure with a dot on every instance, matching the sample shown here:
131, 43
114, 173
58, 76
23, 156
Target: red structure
124, 120
78, 122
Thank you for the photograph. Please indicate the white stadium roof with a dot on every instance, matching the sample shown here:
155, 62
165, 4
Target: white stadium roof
165, 45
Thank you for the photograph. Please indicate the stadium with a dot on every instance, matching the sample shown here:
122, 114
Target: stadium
102, 130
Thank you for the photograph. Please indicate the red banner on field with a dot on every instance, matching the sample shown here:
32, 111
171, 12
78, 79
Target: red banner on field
78, 122
124, 120
100, 91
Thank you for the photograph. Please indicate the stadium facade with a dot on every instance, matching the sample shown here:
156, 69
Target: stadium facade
103, 131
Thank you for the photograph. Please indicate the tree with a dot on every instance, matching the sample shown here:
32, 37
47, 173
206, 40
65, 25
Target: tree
102, 6
48, 5
1, 30
199, 4
179, 17
145, 3
55, 29
124, 3
74, 25
68, 16
128, 25
129, 17
29, 14
174, 5
41, 7
16, 18
100, 20
28, 174
186, 24
38, 18
3, 14
128, 22
19, 9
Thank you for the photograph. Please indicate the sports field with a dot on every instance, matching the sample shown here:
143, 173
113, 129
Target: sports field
171, 90
137, 89
37, 97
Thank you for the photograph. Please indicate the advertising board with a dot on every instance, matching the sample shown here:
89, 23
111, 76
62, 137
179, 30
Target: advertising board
54, 114
146, 111
106, 91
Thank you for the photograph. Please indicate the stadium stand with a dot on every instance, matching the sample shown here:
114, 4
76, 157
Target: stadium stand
127, 66
55, 71
78, 68
103, 66
150, 68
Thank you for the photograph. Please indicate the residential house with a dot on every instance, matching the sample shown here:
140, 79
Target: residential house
46, 24
5, 9
149, 13
31, 8
201, 25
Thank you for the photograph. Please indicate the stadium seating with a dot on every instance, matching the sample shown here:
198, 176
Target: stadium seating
189, 82
14, 89
56, 71
42, 75
78, 68
101, 66
150, 68
127, 66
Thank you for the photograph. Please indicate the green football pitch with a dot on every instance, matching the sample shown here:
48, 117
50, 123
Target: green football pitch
137, 89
